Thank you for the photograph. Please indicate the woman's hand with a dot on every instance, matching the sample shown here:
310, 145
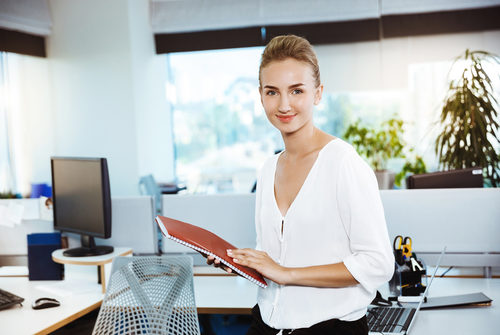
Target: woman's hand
211, 260
260, 261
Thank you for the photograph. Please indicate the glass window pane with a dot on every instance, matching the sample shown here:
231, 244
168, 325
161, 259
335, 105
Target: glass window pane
221, 132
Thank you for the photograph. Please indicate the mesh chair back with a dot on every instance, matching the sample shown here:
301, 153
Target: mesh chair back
149, 295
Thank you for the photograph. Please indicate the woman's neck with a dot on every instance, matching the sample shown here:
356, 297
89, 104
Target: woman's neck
302, 142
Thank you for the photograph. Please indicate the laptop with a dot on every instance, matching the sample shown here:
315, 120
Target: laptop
397, 320
475, 299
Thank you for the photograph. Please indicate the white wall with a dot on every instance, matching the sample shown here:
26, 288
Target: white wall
153, 115
107, 89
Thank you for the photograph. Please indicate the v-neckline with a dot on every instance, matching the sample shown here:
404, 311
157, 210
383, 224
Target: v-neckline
301, 187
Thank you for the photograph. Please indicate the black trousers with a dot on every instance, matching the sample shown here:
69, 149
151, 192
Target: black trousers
328, 327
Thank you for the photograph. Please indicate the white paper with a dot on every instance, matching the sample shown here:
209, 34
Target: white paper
31, 210
46, 212
13, 271
67, 288
16, 212
3, 217
11, 215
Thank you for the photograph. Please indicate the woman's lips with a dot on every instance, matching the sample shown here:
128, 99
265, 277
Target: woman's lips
286, 118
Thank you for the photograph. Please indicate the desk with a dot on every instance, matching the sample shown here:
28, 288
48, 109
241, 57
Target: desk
230, 295
224, 294
236, 295
461, 320
79, 294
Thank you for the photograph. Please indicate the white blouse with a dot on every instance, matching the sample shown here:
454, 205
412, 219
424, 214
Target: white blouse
337, 216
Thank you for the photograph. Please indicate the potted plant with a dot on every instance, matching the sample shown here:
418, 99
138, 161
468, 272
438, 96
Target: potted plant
469, 118
416, 166
377, 146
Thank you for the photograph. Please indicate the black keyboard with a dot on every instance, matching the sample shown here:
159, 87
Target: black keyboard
388, 320
8, 299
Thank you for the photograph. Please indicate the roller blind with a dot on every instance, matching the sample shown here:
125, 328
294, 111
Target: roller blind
24, 25
27, 16
189, 25
175, 16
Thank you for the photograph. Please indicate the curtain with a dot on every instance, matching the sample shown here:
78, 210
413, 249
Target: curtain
26, 123
7, 173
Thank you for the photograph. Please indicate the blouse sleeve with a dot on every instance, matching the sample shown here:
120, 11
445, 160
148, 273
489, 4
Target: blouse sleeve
371, 261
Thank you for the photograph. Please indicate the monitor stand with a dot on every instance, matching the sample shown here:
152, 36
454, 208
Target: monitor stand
88, 248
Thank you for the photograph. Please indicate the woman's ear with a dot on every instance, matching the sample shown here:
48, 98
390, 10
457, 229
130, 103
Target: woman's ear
318, 94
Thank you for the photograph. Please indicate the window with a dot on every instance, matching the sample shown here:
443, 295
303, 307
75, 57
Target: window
221, 132
7, 184
25, 122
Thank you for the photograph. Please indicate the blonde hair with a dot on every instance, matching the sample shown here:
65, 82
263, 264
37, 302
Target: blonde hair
290, 46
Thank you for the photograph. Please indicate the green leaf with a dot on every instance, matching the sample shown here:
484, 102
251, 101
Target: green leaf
469, 118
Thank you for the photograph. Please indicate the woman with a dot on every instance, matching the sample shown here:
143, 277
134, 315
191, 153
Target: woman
322, 241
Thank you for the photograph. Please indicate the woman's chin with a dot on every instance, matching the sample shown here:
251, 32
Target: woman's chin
288, 130
291, 128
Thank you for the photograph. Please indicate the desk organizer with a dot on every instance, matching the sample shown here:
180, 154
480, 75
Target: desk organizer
406, 281
40, 263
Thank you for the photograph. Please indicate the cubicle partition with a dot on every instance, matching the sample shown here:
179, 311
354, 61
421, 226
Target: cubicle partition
467, 221
132, 226
231, 216
18, 218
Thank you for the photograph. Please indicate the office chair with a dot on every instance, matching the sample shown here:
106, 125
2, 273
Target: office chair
149, 295
148, 186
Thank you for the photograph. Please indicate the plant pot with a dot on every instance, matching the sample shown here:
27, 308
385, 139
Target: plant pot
385, 179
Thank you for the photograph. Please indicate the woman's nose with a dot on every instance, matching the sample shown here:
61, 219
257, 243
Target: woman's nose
284, 106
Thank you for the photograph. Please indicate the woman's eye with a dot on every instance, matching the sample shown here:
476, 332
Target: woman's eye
271, 93
297, 91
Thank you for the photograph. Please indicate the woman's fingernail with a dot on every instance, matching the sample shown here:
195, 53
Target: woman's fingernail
229, 252
235, 260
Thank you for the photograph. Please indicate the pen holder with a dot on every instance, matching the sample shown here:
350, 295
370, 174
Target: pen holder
407, 281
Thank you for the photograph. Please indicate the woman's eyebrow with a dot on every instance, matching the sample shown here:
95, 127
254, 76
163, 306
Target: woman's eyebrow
291, 86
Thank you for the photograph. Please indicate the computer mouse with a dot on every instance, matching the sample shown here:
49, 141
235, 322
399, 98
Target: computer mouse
42, 303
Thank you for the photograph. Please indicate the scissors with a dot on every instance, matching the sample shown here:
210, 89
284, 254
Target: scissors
402, 248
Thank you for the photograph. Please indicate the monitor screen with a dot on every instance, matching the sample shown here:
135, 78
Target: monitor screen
82, 200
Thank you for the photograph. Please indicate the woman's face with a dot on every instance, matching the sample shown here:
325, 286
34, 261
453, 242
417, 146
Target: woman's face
288, 94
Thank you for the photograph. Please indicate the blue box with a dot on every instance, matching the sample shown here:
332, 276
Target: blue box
40, 263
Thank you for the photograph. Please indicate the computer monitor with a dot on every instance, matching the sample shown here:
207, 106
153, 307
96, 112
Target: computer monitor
465, 178
82, 202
